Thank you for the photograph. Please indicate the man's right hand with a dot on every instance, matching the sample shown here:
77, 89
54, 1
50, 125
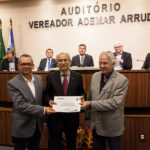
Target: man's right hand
49, 110
51, 103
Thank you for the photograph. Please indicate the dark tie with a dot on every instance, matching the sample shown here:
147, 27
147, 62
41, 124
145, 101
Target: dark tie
49, 64
65, 84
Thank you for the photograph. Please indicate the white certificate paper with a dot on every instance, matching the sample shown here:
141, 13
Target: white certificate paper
67, 104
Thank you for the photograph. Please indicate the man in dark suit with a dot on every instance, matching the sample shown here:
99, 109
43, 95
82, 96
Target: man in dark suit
146, 64
123, 59
10, 63
82, 60
107, 94
47, 63
63, 122
26, 92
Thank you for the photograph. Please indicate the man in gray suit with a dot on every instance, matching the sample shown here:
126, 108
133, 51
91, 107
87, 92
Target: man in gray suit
26, 91
47, 63
106, 104
82, 60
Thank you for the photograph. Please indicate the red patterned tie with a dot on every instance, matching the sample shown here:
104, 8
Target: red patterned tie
65, 84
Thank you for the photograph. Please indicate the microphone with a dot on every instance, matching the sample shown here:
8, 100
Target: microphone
140, 60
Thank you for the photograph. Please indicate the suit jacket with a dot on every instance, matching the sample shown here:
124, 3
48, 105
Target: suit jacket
27, 111
88, 61
54, 87
146, 64
127, 60
5, 64
43, 64
107, 106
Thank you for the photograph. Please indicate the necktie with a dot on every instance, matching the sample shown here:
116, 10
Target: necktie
49, 64
65, 84
82, 60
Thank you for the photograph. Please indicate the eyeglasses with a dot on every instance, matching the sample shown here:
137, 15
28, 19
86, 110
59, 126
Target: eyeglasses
26, 64
104, 63
63, 60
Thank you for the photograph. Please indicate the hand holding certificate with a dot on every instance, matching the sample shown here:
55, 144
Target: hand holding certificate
67, 104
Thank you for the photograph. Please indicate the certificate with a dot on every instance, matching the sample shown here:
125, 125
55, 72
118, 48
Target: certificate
67, 104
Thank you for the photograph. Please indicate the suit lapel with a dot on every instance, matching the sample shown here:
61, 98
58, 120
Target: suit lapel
78, 60
16, 63
58, 82
25, 86
7, 65
122, 57
45, 61
85, 60
52, 62
71, 80
98, 80
36, 87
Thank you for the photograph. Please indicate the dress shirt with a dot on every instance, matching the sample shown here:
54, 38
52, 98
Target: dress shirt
12, 66
46, 67
31, 85
62, 76
118, 64
82, 57
102, 84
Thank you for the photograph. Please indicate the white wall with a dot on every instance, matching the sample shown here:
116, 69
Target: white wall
134, 36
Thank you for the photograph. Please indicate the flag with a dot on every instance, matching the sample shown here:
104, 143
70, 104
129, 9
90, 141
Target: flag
11, 45
2, 46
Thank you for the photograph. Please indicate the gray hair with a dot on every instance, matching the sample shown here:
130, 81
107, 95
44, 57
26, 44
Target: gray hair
63, 53
118, 42
110, 54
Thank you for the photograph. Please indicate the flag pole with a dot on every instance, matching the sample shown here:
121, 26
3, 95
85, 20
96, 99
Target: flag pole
10, 22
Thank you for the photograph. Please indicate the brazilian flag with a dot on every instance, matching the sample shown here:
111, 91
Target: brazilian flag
2, 47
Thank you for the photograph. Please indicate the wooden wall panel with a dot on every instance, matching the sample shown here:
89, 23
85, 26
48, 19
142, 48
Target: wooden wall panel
137, 102
136, 127
5, 126
138, 93
139, 86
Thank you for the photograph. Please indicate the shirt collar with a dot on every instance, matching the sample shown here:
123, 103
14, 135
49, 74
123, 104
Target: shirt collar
82, 56
119, 53
49, 58
108, 75
28, 80
62, 74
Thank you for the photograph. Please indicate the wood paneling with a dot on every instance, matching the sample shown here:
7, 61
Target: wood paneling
137, 102
5, 126
137, 127
138, 93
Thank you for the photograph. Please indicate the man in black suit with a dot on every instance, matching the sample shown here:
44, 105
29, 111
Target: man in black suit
146, 64
63, 122
10, 63
123, 59
48, 62
82, 60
